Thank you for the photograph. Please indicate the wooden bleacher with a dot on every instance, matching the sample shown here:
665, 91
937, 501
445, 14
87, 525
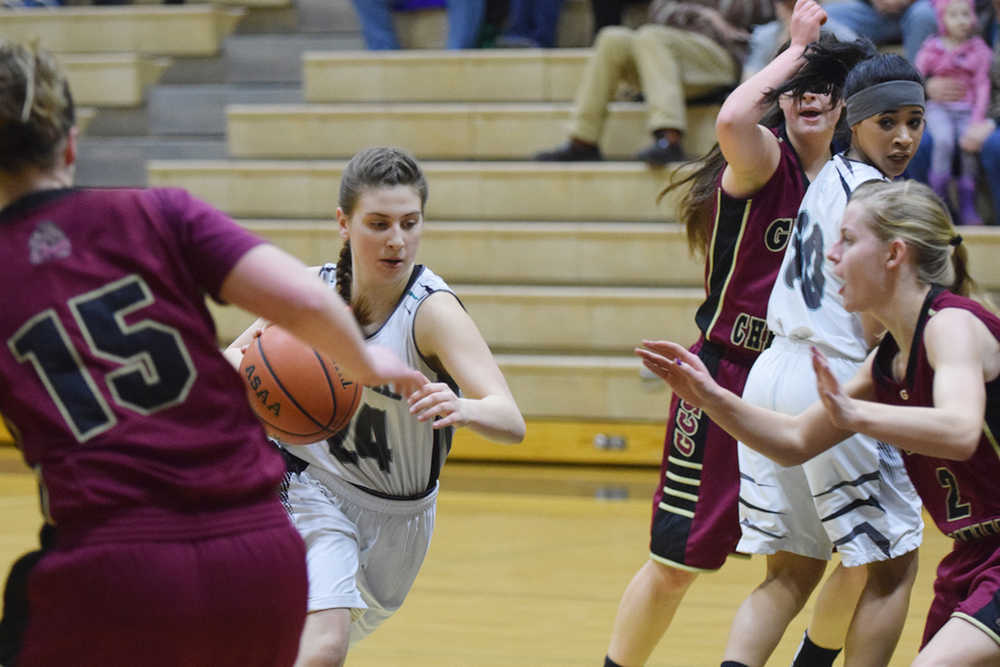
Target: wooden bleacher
171, 30
112, 79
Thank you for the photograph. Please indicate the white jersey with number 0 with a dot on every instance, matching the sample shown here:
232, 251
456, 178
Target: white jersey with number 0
805, 302
384, 448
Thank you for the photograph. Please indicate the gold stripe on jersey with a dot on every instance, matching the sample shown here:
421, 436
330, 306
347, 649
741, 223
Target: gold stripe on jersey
993, 441
733, 262
676, 510
990, 632
683, 480
680, 494
684, 464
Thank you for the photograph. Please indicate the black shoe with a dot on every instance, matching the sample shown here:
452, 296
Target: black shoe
570, 152
660, 153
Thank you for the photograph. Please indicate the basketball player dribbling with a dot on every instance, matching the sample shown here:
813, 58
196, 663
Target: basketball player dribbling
164, 531
931, 387
740, 211
364, 500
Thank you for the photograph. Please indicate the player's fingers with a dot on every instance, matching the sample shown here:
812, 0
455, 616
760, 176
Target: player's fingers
433, 411
448, 420
425, 390
428, 401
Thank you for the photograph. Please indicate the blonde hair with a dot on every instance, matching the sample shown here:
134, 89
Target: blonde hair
36, 107
910, 211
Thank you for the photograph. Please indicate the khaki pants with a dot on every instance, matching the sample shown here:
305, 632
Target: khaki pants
667, 64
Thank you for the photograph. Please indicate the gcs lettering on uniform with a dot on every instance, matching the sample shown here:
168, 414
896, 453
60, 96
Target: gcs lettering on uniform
777, 234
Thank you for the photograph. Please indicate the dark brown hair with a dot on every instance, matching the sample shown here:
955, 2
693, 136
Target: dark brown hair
378, 167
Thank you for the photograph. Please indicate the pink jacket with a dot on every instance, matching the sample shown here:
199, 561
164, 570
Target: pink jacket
969, 62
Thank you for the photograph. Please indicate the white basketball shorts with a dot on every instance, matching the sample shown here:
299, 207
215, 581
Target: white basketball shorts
362, 552
855, 497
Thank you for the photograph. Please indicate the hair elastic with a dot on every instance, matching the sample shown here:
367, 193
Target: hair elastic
885, 96
955, 240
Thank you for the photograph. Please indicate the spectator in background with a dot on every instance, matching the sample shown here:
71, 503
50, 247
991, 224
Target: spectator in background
767, 39
957, 52
687, 49
982, 137
608, 12
531, 24
464, 20
884, 21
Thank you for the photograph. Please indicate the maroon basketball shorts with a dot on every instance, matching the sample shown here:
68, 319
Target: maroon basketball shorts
968, 587
233, 600
695, 514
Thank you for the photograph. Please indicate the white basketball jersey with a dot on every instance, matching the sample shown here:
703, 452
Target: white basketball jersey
385, 449
805, 303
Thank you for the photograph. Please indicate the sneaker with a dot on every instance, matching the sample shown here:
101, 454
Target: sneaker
570, 151
660, 153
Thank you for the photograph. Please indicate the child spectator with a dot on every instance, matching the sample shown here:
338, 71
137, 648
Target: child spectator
960, 54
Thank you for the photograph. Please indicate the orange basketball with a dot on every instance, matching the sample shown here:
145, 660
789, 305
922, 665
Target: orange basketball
300, 395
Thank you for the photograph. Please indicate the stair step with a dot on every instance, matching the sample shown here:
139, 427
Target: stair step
120, 161
642, 254
460, 190
84, 115
553, 319
578, 441
112, 79
440, 131
199, 109
488, 75
195, 30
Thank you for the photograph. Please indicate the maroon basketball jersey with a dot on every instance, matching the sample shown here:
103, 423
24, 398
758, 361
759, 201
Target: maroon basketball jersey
747, 245
113, 381
961, 496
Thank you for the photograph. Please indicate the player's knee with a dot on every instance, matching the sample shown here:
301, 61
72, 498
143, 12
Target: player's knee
668, 580
797, 575
325, 641
886, 577
324, 652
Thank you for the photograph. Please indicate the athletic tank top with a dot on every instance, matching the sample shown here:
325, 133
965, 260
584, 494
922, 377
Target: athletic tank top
960, 496
805, 303
748, 241
384, 449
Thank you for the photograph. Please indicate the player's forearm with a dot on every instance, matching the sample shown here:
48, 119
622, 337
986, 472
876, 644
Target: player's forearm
929, 431
777, 436
496, 418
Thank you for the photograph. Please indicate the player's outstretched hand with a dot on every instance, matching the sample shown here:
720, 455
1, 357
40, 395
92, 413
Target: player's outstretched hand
683, 371
839, 406
386, 368
436, 399
807, 17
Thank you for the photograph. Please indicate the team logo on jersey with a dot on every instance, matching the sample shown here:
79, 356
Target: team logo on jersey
48, 242
777, 234
686, 425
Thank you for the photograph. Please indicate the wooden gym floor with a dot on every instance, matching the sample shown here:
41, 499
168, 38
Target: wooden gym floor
527, 566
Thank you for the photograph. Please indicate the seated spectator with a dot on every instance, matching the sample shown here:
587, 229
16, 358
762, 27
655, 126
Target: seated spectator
982, 137
531, 24
464, 20
884, 22
686, 50
961, 54
609, 12
767, 39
